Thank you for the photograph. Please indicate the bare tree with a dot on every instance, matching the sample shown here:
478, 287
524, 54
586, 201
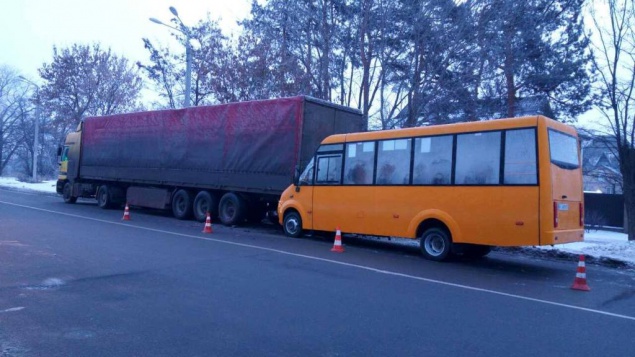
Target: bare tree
12, 101
84, 80
614, 61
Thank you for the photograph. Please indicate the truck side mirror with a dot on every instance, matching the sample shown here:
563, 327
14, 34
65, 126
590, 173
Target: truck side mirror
59, 151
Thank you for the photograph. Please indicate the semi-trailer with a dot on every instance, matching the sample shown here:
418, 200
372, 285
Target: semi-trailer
231, 160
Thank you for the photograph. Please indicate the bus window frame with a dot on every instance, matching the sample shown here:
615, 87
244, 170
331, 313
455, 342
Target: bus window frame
329, 155
536, 163
454, 136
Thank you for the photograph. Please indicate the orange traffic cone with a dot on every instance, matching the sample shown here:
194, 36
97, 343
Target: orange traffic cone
580, 277
337, 245
126, 213
208, 224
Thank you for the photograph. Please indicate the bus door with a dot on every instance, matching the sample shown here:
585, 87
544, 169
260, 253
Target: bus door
566, 181
326, 200
344, 194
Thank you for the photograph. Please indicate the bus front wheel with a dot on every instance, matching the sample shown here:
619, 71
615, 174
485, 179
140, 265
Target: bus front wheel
436, 244
292, 224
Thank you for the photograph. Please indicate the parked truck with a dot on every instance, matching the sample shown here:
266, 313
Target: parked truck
232, 160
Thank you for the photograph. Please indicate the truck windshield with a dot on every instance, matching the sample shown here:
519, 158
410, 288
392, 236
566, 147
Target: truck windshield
64, 156
564, 150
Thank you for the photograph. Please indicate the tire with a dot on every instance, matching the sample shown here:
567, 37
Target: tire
231, 209
436, 244
292, 225
182, 204
67, 193
204, 202
104, 201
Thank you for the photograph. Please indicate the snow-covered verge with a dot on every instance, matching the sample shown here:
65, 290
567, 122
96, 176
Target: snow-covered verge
44, 186
604, 247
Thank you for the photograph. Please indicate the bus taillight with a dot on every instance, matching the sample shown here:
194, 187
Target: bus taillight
581, 215
555, 214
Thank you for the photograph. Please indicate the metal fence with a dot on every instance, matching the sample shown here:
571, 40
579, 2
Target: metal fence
603, 210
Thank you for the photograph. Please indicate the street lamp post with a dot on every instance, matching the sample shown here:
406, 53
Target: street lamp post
188, 52
38, 113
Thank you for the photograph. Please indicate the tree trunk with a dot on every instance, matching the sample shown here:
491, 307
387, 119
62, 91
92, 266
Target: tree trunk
628, 173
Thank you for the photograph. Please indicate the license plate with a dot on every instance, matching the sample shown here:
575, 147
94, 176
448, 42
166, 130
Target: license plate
563, 206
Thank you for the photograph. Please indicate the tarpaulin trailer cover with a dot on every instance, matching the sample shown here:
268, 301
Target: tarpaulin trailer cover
248, 146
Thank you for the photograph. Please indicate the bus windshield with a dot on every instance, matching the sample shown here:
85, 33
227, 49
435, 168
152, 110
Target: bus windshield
563, 149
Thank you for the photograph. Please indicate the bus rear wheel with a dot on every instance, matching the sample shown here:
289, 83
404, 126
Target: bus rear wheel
477, 251
292, 224
436, 244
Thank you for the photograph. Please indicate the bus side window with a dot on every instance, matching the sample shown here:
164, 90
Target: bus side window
433, 160
478, 158
393, 162
329, 170
359, 165
520, 157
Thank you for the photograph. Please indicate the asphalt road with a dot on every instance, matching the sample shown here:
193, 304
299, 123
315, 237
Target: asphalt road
77, 281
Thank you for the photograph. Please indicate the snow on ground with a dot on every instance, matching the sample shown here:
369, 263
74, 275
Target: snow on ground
601, 244
44, 186
598, 244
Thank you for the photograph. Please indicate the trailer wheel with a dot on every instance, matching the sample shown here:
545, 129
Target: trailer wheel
292, 224
204, 202
436, 244
182, 204
231, 209
104, 200
67, 193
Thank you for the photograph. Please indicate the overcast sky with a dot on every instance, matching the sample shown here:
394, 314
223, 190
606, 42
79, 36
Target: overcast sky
30, 28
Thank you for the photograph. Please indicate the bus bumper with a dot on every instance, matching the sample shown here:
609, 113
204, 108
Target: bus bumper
562, 237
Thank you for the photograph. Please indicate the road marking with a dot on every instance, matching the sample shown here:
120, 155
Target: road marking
12, 309
363, 267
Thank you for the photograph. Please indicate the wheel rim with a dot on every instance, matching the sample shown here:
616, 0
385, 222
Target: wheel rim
291, 225
435, 245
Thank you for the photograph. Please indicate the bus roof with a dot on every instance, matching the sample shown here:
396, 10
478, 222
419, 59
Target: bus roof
487, 125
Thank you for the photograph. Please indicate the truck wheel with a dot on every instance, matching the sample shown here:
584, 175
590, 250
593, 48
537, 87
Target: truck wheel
436, 244
204, 202
231, 209
67, 193
292, 224
103, 197
182, 204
